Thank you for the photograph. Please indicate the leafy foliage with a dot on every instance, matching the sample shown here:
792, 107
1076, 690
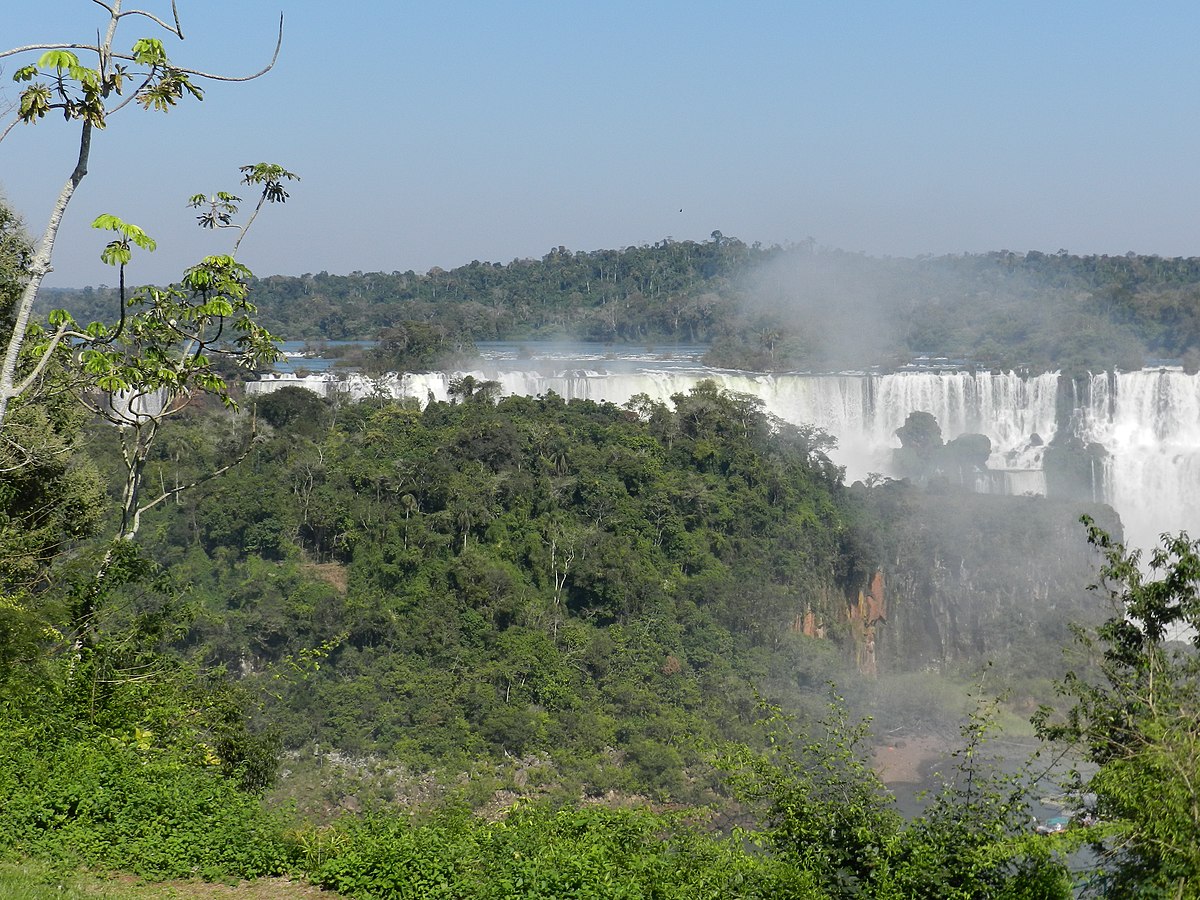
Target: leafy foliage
826, 813
137, 809
577, 566
86, 96
15, 251
1137, 720
537, 852
81, 92
115, 753
592, 584
172, 332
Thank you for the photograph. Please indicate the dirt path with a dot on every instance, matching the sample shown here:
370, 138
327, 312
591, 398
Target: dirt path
260, 889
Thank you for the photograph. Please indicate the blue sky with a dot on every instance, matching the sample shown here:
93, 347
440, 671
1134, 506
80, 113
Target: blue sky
436, 133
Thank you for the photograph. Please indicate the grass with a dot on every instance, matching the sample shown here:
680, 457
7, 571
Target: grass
34, 881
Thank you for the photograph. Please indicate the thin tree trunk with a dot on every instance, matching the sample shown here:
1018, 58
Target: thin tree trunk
38, 270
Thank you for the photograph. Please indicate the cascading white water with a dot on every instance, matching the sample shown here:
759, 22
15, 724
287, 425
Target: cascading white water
862, 410
1149, 422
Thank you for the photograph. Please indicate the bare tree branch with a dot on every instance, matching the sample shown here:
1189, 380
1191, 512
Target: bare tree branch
63, 331
135, 522
242, 234
132, 96
29, 457
38, 270
31, 47
177, 31
274, 57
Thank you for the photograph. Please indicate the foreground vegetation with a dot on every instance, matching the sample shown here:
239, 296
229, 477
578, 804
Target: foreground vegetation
484, 588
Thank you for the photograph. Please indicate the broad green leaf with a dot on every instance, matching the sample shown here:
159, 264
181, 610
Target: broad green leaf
128, 231
116, 253
262, 173
107, 221
58, 59
35, 102
85, 76
140, 238
149, 52
216, 307
194, 90
116, 80
114, 384
96, 362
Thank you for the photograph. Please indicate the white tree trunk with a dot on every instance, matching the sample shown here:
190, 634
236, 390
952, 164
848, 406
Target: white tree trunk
38, 270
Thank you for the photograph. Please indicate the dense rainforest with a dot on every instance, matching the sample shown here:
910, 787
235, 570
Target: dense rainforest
525, 647
536, 576
520, 646
555, 600
765, 308
529, 648
591, 609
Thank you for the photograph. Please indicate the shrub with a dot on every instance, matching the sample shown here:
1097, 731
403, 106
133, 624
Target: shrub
97, 801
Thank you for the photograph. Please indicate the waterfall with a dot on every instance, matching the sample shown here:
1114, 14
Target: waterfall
1148, 421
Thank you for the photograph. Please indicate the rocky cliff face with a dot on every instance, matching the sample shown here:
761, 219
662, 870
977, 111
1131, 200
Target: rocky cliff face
866, 615
973, 579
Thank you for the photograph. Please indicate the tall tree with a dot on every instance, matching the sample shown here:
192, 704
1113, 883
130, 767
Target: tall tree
153, 362
87, 96
1139, 720
43, 496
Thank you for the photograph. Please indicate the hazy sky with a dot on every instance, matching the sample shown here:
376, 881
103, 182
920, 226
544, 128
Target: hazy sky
440, 132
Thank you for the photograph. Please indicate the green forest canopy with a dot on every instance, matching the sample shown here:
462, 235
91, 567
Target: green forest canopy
535, 598
766, 307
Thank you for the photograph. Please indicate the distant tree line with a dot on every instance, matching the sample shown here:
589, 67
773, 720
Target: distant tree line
766, 308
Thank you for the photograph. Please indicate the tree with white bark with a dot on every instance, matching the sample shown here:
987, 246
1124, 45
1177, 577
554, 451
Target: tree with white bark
160, 355
88, 95
162, 350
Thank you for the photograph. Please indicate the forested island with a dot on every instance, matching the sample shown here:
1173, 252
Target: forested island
494, 646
